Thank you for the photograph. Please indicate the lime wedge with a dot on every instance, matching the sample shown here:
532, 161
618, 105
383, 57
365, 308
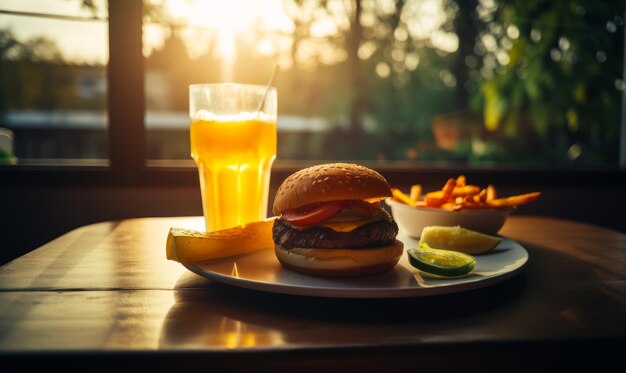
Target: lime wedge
458, 239
441, 262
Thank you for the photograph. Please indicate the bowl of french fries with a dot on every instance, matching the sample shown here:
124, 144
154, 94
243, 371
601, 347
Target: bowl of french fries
457, 203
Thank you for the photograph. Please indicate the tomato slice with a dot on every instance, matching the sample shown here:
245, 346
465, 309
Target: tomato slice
314, 213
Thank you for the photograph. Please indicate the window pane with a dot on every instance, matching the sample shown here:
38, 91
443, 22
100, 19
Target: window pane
419, 82
53, 57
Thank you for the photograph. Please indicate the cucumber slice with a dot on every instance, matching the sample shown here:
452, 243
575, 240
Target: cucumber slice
441, 262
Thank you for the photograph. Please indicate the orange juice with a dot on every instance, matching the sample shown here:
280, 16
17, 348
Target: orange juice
234, 156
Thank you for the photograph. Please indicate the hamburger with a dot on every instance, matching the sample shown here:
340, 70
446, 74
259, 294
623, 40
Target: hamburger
331, 222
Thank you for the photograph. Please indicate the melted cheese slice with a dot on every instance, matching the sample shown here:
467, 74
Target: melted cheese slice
345, 226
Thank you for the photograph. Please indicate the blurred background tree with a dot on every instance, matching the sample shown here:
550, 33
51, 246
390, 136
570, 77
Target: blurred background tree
472, 82
551, 79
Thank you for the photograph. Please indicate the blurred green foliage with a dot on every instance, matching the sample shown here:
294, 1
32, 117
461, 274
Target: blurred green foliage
528, 81
558, 98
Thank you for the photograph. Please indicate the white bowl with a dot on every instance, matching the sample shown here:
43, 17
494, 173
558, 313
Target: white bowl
412, 220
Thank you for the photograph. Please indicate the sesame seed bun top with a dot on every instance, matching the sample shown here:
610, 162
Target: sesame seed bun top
329, 182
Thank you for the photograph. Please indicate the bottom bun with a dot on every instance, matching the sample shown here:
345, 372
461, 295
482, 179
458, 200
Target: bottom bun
340, 262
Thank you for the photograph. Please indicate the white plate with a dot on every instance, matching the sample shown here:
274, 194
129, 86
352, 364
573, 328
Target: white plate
262, 271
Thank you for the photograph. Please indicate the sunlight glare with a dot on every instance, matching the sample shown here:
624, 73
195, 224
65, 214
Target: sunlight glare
228, 18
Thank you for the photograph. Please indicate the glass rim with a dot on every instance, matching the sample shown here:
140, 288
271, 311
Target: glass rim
240, 85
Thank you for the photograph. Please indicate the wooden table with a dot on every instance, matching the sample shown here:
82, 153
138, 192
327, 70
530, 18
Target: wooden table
103, 297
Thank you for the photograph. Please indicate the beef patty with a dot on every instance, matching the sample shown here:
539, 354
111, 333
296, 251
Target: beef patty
377, 233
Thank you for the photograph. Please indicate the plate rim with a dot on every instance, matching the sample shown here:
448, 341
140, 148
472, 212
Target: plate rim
364, 292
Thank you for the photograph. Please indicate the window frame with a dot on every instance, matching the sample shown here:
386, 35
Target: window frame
129, 166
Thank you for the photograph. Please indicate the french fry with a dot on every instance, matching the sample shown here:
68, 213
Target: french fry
491, 193
439, 197
517, 200
481, 196
465, 190
399, 195
457, 195
433, 199
469, 201
416, 192
460, 180
474, 206
466, 202
449, 206
448, 188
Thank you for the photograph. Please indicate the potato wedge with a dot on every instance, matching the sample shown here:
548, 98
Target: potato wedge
186, 245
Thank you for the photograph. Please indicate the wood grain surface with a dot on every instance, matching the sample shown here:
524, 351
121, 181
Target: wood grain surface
104, 295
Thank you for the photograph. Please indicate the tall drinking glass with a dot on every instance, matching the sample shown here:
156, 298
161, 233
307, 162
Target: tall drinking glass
233, 142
